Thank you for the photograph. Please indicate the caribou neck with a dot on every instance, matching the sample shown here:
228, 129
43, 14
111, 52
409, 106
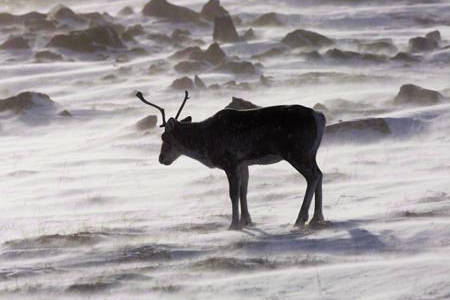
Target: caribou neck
191, 137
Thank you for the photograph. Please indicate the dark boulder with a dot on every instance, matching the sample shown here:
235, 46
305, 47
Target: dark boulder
25, 101
384, 47
199, 84
63, 14
146, 123
239, 104
214, 54
411, 94
421, 44
304, 38
186, 52
242, 67
172, 12
89, 40
270, 53
434, 35
406, 57
224, 30
47, 56
340, 55
191, 66
15, 43
126, 11
213, 9
183, 83
249, 34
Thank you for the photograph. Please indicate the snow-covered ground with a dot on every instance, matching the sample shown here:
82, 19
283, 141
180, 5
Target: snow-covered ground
88, 212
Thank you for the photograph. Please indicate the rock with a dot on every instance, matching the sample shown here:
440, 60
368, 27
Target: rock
126, 11
239, 104
434, 35
179, 35
158, 67
249, 35
183, 83
224, 30
243, 67
199, 84
8, 19
25, 101
269, 19
214, 86
40, 24
270, 53
357, 130
190, 66
421, 44
89, 40
15, 43
337, 54
146, 123
65, 113
304, 38
213, 9
266, 81
63, 14
214, 54
385, 47
47, 56
160, 38
406, 57
174, 13
311, 55
186, 52
413, 94
132, 32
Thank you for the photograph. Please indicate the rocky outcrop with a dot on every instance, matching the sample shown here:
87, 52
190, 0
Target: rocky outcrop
362, 130
15, 43
183, 83
146, 123
64, 15
411, 94
270, 53
89, 40
126, 11
239, 104
242, 67
340, 55
169, 11
212, 9
46, 55
269, 19
249, 35
213, 54
191, 66
26, 101
224, 30
434, 35
422, 44
186, 52
406, 57
199, 84
304, 38
383, 46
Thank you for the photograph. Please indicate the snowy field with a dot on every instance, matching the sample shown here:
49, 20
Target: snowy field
89, 213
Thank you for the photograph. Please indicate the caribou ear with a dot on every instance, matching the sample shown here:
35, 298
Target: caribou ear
170, 125
187, 120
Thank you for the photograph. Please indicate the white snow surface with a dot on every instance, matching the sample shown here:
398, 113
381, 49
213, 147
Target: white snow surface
87, 212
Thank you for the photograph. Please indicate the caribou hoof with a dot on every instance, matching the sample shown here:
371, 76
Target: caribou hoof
301, 221
234, 226
245, 221
319, 223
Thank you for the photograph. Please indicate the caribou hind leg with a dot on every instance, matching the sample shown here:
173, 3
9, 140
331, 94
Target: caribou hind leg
313, 177
233, 176
245, 215
318, 215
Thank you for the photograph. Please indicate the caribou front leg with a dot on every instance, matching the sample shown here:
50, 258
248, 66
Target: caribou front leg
245, 215
233, 176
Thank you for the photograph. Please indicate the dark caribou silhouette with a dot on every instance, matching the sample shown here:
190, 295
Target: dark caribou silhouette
232, 140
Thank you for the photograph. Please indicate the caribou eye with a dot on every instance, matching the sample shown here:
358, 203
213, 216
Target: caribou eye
164, 136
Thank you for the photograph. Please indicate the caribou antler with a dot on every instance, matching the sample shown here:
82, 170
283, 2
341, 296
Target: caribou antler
186, 96
141, 97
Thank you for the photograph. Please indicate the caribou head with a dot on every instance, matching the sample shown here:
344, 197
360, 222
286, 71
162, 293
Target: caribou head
170, 149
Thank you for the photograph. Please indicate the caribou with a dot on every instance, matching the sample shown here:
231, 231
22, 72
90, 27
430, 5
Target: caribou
232, 140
